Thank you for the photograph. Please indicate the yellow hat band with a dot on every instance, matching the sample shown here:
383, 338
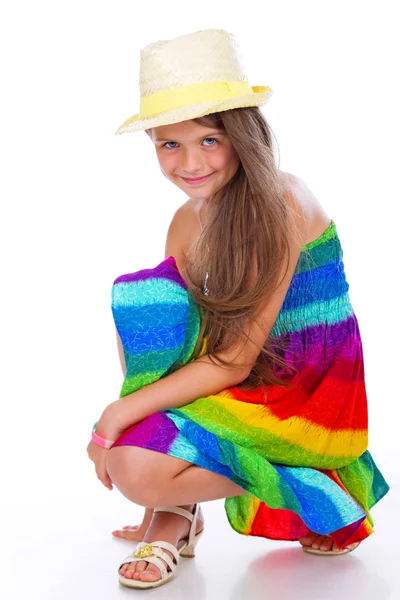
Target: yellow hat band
212, 91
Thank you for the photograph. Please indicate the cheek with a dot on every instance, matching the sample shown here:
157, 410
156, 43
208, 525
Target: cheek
219, 161
227, 160
230, 163
166, 164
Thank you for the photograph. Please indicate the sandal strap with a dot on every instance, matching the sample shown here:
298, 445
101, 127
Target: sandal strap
192, 517
154, 553
167, 546
192, 531
158, 563
169, 561
155, 560
177, 510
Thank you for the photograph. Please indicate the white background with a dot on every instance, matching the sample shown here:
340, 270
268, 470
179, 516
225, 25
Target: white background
81, 206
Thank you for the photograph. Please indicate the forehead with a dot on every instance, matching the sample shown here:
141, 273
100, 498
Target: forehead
185, 130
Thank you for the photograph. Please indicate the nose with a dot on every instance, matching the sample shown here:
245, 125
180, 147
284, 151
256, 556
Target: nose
191, 162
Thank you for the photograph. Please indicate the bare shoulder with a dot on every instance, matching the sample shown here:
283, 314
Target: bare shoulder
313, 218
185, 227
183, 231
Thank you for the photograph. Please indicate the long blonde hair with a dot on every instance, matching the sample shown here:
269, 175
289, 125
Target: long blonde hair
248, 226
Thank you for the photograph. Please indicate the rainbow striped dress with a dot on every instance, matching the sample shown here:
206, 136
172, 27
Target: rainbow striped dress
299, 452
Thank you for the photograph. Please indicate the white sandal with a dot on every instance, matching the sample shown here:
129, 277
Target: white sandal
153, 552
346, 550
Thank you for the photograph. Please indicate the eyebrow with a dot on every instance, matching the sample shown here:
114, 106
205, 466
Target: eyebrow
211, 133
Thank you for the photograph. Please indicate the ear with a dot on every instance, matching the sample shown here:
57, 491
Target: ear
148, 133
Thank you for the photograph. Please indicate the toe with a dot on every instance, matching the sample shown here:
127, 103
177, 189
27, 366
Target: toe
152, 573
135, 568
140, 567
327, 543
318, 541
126, 571
124, 568
307, 540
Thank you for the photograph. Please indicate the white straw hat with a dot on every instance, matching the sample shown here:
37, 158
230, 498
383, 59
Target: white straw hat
191, 76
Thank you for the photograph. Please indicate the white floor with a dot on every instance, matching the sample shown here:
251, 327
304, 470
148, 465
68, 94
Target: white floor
64, 550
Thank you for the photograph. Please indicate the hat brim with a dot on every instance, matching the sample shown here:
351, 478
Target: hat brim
134, 123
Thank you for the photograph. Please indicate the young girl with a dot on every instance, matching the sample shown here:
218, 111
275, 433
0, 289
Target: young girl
243, 363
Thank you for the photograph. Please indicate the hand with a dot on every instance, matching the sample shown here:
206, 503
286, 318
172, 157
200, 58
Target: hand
99, 456
109, 426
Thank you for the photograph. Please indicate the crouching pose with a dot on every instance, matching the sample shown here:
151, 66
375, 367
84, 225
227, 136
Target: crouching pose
242, 356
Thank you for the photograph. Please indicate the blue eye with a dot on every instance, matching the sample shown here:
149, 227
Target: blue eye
166, 144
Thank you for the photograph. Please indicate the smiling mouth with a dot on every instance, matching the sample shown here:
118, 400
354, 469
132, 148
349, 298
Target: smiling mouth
197, 178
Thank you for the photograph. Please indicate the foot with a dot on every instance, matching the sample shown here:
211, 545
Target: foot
168, 527
135, 533
322, 542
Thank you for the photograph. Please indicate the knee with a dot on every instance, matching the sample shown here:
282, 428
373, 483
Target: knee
133, 477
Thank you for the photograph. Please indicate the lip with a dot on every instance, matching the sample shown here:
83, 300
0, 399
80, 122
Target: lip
198, 180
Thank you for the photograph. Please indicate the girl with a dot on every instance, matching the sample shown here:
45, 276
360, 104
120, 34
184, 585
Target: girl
241, 351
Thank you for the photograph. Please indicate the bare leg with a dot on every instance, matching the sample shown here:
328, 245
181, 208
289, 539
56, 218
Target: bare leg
181, 483
196, 484
159, 479
154, 474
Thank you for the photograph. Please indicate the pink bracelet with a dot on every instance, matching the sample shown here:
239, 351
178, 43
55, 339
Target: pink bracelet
101, 441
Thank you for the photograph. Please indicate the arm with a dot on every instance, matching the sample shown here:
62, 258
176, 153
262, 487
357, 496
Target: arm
200, 378
121, 354
197, 379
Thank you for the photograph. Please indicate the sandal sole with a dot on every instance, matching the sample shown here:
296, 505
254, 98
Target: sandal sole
143, 584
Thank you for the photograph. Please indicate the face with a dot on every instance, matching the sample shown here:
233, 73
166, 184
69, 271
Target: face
187, 150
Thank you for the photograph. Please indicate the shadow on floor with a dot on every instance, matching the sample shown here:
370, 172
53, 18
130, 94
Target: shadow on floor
290, 573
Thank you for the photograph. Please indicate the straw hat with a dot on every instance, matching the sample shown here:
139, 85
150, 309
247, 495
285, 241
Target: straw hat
191, 76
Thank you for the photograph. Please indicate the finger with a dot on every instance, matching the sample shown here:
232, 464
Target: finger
133, 536
118, 533
104, 477
107, 483
126, 535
